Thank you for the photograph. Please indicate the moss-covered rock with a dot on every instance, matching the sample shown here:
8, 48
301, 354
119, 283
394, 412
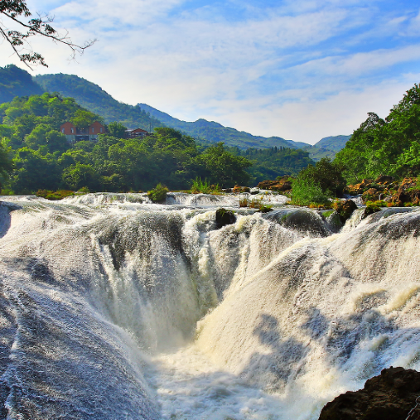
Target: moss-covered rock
345, 209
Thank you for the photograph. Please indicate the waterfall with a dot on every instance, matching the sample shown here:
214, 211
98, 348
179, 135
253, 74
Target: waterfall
112, 307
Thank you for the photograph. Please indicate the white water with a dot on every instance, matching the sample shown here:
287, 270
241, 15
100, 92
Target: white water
115, 308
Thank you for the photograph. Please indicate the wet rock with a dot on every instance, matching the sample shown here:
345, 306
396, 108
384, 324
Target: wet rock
359, 188
388, 396
372, 194
334, 222
345, 209
384, 180
283, 184
224, 217
302, 220
408, 192
240, 189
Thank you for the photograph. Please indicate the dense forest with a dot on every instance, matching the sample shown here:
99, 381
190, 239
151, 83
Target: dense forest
273, 162
43, 158
388, 146
16, 82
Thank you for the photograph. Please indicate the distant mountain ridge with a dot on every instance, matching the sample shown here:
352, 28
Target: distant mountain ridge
17, 82
213, 132
95, 99
327, 147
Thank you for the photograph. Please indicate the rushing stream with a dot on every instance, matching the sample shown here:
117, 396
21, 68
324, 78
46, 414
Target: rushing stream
115, 308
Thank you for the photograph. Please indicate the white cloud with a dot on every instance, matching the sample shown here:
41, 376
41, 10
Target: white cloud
261, 72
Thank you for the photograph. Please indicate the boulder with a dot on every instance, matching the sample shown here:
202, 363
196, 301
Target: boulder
388, 396
345, 209
372, 194
408, 192
224, 217
359, 188
240, 189
384, 180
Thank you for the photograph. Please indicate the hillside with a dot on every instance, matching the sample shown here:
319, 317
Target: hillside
16, 82
327, 147
213, 132
334, 143
95, 99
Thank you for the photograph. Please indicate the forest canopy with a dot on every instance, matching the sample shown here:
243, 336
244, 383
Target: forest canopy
43, 158
389, 146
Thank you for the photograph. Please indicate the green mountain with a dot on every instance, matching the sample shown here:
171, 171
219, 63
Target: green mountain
213, 132
327, 147
95, 99
16, 82
334, 143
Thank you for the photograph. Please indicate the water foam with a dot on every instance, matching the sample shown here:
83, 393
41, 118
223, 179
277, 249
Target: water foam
114, 307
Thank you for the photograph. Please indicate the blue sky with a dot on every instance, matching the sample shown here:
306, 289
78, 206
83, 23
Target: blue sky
301, 69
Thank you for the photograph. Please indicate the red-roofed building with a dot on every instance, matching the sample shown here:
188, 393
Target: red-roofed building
137, 132
75, 134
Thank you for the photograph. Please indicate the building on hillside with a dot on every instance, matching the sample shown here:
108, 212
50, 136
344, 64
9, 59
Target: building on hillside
137, 132
74, 134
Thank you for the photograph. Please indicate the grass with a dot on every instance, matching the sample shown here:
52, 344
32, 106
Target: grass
204, 187
54, 195
255, 203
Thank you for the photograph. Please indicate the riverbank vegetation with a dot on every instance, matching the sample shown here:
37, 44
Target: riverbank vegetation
41, 158
381, 161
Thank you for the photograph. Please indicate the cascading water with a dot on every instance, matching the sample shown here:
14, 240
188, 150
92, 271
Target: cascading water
112, 307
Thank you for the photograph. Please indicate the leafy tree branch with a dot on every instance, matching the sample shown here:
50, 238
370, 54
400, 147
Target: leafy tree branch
16, 11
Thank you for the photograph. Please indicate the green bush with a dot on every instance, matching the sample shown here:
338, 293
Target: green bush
158, 194
204, 187
306, 191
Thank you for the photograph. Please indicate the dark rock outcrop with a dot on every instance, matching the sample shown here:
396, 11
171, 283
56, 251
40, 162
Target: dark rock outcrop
408, 192
389, 396
224, 217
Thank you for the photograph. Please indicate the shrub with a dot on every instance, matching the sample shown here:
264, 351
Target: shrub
158, 194
204, 187
306, 191
265, 208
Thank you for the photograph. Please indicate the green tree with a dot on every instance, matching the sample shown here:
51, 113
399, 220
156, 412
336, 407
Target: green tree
328, 175
81, 175
223, 167
6, 164
44, 135
33, 171
117, 130
383, 146
83, 119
